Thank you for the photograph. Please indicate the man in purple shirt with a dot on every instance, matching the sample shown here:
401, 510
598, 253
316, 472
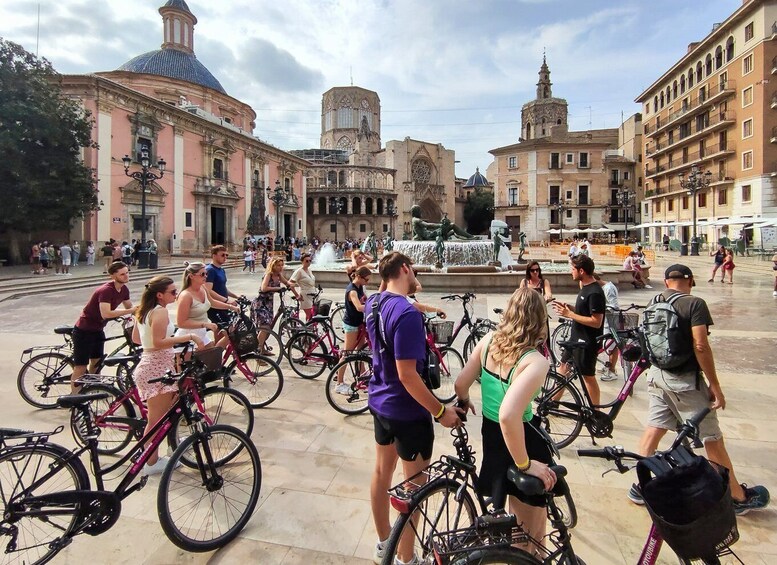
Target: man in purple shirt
402, 407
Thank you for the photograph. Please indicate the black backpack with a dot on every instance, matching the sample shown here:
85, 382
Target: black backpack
430, 372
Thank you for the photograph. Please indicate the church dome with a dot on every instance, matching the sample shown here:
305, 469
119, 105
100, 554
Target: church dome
476, 180
176, 58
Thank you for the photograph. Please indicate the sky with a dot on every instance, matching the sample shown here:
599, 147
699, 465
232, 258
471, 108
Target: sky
454, 72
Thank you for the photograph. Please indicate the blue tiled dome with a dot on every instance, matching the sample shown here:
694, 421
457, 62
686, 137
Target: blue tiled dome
175, 64
476, 180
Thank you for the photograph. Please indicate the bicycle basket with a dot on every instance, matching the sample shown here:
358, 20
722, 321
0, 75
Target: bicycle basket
209, 364
442, 331
632, 351
322, 307
622, 320
242, 335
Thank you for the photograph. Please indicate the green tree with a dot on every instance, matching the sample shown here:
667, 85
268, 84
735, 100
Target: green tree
479, 211
43, 181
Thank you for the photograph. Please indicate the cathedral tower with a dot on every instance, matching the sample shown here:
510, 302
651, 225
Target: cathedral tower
539, 116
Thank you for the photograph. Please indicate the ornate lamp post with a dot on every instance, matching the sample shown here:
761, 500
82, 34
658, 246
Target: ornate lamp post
280, 197
144, 176
561, 206
625, 199
695, 182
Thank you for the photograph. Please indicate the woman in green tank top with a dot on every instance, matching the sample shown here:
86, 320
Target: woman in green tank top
511, 372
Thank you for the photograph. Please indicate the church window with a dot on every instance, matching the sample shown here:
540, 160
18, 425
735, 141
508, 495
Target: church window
186, 34
345, 144
345, 118
512, 195
729, 49
322, 205
218, 169
421, 171
368, 206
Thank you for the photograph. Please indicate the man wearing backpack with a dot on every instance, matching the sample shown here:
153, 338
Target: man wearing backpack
682, 379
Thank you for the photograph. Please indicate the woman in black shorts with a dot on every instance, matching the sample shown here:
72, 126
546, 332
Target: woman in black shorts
511, 373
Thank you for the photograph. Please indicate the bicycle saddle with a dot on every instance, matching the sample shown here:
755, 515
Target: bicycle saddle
320, 319
80, 400
499, 311
529, 485
118, 360
572, 344
64, 330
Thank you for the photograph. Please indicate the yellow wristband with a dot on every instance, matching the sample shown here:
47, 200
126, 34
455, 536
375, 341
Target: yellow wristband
441, 412
525, 466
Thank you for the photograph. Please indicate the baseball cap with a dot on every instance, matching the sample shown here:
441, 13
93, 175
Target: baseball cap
678, 271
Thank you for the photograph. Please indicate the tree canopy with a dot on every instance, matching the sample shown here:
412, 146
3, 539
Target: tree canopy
479, 211
43, 181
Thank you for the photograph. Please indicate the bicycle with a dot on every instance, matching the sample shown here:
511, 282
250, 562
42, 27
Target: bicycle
336, 321
356, 373
122, 415
449, 360
654, 542
443, 498
565, 408
45, 376
476, 327
272, 345
47, 497
310, 353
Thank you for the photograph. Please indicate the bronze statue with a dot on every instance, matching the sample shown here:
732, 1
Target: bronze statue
497, 246
428, 231
522, 240
370, 245
439, 249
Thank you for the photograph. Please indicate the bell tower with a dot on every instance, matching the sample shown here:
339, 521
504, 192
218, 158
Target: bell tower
545, 112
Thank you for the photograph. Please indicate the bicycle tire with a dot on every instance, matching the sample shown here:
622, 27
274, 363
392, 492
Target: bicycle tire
23, 465
114, 435
431, 517
450, 368
307, 355
478, 332
562, 416
357, 372
560, 333
268, 377
222, 489
566, 505
225, 406
272, 347
336, 321
495, 556
43, 375
289, 327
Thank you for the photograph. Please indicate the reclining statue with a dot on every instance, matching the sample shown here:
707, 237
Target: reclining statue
428, 231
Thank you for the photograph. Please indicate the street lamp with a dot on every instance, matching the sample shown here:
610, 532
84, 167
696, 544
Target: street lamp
392, 213
144, 176
625, 199
280, 197
561, 205
695, 182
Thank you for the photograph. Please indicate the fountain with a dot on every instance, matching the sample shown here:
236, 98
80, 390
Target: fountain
325, 256
459, 253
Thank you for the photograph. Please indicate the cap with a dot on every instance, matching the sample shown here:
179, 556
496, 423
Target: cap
678, 271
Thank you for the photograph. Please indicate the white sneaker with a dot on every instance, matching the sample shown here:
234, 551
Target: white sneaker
774, 294
377, 557
648, 286
159, 467
344, 389
609, 376
413, 561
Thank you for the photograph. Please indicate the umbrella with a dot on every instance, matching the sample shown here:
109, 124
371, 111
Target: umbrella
553, 231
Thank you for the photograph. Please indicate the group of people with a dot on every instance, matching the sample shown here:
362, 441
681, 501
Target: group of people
724, 261
58, 257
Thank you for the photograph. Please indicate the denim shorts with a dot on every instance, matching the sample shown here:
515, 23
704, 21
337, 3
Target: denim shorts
350, 329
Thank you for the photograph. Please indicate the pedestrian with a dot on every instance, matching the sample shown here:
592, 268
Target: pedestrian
107, 251
683, 391
103, 305
666, 242
574, 251
631, 264
611, 297
44, 257
247, 254
126, 254
90, 250
66, 254
136, 247
511, 372
728, 267
154, 330
719, 256
35, 258
118, 254
353, 320
216, 284
75, 253
263, 306
402, 407
193, 306
587, 317
56, 259
306, 280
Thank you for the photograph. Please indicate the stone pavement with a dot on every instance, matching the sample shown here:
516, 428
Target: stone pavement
314, 506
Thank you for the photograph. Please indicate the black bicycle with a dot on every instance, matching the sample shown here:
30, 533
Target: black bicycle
476, 327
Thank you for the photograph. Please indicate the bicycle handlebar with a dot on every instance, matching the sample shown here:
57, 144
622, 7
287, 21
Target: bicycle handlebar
465, 298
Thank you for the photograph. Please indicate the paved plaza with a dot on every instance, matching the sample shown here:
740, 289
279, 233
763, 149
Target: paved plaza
314, 506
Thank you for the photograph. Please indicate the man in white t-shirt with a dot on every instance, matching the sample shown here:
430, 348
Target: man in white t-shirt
611, 296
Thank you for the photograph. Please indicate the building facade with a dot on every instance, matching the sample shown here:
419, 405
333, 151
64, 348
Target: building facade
215, 185
715, 109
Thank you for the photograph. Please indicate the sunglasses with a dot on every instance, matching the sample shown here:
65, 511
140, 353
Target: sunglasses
174, 292
534, 270
202, 274
223, 254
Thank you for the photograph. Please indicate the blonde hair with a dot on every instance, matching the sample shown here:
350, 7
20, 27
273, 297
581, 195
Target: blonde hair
274, 261
523, 326
191, 269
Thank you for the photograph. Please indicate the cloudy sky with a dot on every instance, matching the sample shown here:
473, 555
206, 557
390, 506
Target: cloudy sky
454, 72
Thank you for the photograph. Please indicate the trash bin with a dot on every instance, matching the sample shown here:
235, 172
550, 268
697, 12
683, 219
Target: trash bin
143, 259
694, 247
153, 260
683, 249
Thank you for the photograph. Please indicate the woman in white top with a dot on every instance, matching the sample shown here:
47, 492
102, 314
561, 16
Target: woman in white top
154, 331
193, 306
307, 285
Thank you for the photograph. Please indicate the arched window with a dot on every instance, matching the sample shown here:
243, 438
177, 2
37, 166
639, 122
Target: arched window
332, 205
668, 94
661, 99
322, 205
682, 84
729, 49
528, 130
343, 205
331, 178
356, 205
718, 57
368, 206
708, 65
690, 77
674, 90
390, 205
655, 104
287, 184
341, 179
558, 122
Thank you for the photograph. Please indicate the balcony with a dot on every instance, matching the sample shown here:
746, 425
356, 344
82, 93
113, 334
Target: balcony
714, 93
694, 132
711, 152
721, 178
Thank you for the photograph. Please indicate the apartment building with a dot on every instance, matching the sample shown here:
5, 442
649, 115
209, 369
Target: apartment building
716, 109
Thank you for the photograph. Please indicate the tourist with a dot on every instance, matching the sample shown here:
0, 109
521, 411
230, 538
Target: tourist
247, 258
574, 251
107, 251
193, 306
511, 372
666, 242
216, 285
719, 255
35, 258
55, 258
682, 392
402, 407
66, 255
154, 331
306, 280
728, 267
103, 305
353, 320
90, 252
535, 280
44, 257
126, 253
262, 307
587, 317
75, 253
631, 264
611, 297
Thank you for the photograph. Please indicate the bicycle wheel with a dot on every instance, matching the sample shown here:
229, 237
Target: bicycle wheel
289, 327
220, 405
433, 509
206, 507
272, 346
113, 416
478, 332
336, 320
357, 372
566, 505
33, 537
495, 556
307, 355
450, 367
264, 372
560, 407
561, 333
44, 378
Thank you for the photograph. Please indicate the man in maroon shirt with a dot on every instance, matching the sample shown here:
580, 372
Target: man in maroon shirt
88, 335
